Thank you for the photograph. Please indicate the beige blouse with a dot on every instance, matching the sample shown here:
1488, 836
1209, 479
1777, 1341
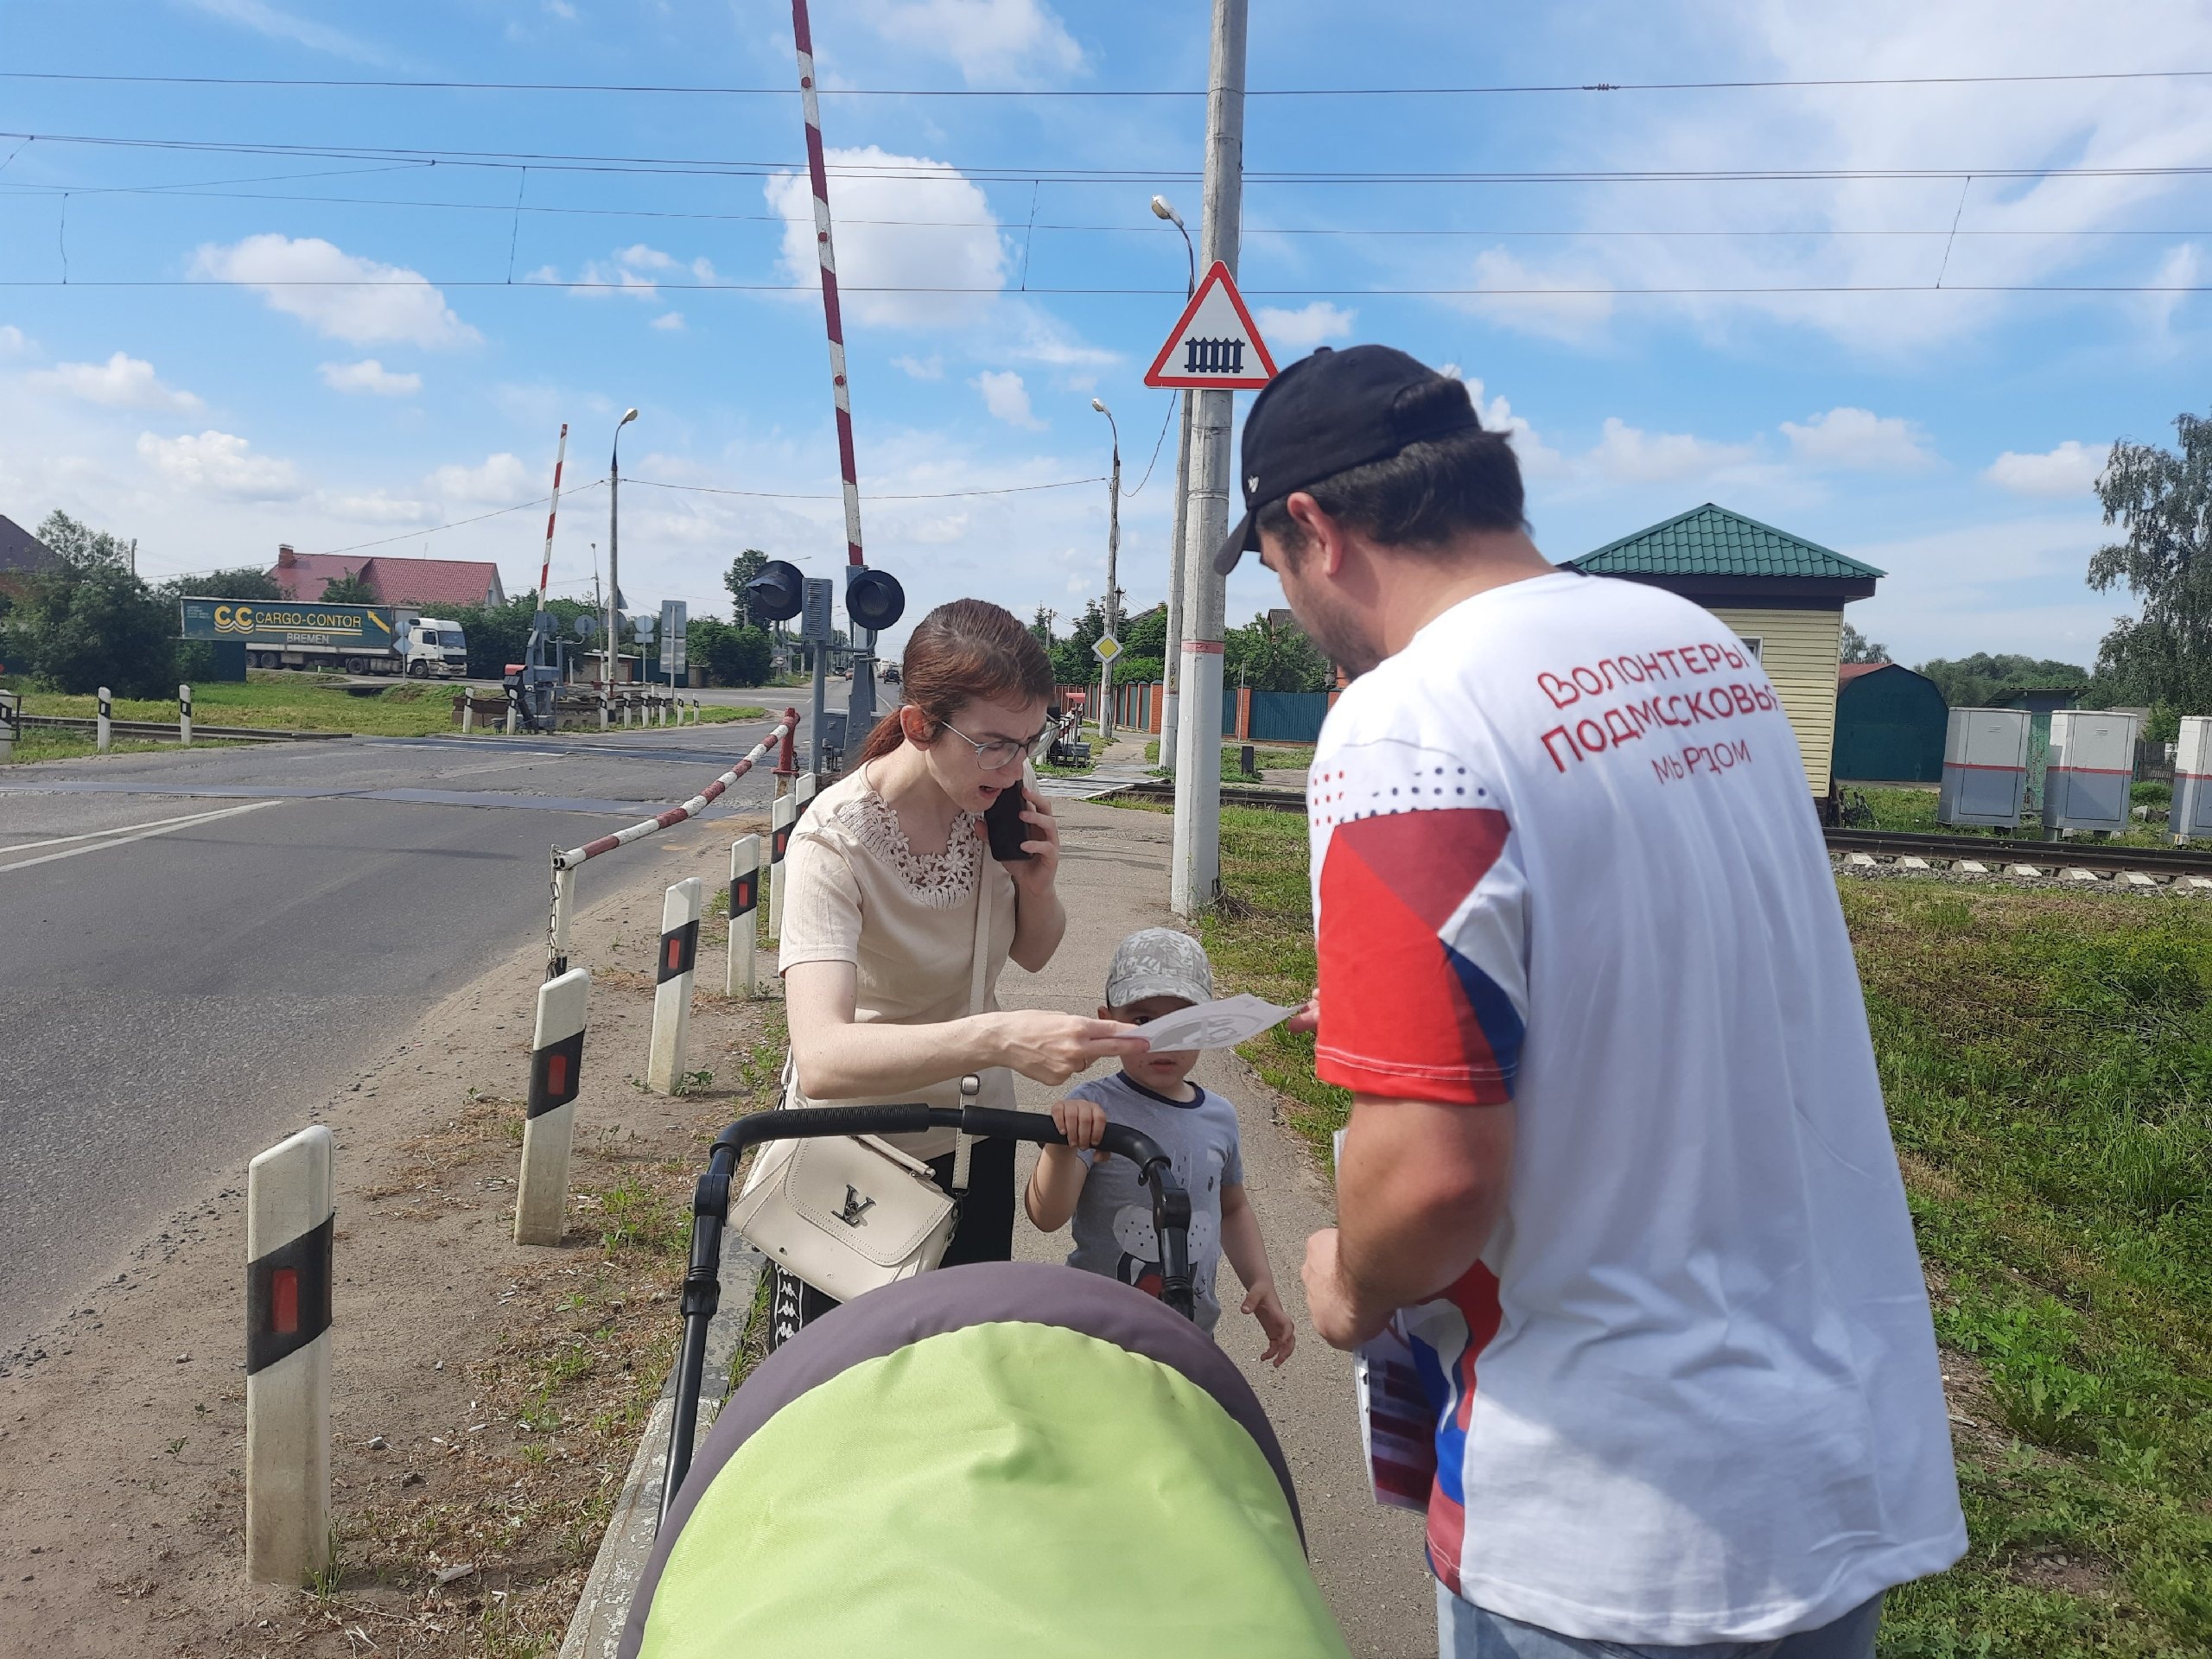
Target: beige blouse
906, 921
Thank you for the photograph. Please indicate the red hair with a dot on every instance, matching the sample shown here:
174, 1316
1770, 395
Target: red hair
967, 650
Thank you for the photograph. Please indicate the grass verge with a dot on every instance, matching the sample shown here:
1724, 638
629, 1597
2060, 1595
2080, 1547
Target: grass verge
1265, 757
49, 743
2047, 1059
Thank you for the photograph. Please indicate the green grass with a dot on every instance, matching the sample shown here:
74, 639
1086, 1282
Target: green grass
1914, 811
308, 702
49, 743
1265, 757
2047, 1059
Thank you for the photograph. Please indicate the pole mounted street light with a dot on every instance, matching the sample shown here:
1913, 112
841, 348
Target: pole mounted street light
1172, 670
614, 579
1113, 554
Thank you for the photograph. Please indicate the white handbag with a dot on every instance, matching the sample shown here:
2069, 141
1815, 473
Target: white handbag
852, 1213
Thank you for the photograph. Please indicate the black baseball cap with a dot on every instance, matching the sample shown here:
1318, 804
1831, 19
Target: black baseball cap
1328, 413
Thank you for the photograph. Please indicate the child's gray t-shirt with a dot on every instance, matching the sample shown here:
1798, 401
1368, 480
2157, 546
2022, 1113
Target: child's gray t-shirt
1113, 1218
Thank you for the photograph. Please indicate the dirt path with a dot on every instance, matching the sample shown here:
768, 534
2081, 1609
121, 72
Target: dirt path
486, 1398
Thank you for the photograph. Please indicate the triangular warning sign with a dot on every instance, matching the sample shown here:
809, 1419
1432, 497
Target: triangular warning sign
1214, 343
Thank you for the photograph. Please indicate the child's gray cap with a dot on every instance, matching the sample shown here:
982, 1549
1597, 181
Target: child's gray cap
1158, 962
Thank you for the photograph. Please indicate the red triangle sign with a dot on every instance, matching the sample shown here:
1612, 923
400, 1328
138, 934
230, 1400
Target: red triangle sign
1214, 343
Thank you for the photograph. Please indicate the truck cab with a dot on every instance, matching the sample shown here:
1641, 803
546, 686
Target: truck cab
433, 648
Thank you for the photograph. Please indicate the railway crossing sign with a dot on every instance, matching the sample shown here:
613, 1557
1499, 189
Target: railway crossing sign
1214, 344
1105, 647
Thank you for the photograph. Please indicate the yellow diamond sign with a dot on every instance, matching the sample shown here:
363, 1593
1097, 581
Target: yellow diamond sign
1106, 648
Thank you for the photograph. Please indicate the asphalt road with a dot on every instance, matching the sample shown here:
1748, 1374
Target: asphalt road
175, 994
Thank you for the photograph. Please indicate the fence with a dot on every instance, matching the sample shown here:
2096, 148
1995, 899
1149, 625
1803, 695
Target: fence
1247, 715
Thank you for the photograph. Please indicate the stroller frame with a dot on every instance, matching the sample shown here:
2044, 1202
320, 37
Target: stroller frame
702, 1286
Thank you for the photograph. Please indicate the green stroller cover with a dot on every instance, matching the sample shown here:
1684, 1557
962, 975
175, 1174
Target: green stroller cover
1007, 1458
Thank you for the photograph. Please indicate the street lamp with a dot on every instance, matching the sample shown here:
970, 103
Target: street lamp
1172, 669
1112, 552
614, 580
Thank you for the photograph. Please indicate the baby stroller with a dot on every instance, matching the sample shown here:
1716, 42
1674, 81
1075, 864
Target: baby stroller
970, 1460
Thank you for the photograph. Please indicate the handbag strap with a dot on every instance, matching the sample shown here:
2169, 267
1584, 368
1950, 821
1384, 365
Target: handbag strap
978, 974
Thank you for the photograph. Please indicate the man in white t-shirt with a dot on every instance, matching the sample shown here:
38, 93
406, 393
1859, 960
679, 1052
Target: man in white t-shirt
1618, 1166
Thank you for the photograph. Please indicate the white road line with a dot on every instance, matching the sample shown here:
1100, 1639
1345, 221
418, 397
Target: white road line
100, 835
144, 835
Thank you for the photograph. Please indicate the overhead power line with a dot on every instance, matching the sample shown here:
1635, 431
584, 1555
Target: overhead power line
1093, 93
1550, 293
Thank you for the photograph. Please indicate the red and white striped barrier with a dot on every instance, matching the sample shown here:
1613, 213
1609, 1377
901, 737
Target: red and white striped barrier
290, 1218
832, 315
545, 568
576, 857
742, 977
680, 910
556, 1065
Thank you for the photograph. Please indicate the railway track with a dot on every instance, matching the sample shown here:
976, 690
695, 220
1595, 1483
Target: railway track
1999, 854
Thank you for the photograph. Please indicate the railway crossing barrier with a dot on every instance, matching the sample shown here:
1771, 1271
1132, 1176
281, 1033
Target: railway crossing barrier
556, 1064
290, 1218
184, 716
672, 973
742, 976
106, 729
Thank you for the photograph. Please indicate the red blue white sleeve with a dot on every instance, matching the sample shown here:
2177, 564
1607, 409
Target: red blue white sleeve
1423, 941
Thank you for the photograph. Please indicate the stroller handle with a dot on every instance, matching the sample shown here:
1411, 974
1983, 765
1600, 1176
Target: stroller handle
1171, 1217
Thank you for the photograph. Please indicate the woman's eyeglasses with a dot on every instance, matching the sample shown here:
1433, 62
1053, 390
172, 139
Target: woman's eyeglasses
999, 751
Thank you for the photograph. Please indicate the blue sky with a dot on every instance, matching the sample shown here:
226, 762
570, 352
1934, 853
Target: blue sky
245, 396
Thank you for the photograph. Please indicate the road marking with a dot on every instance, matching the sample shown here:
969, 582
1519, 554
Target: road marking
96, 834
142, 835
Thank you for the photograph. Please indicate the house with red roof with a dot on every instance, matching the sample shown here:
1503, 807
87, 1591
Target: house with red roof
433, 585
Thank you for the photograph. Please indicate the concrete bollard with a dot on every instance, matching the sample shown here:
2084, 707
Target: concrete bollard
468, 710
743, 978
514, 714
289, 1220
106, 719
11, 722
679, 954
602, 707
695, 711
782, 815
184, 716
556, 1065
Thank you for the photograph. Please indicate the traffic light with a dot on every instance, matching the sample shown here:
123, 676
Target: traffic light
874, 600
777, 594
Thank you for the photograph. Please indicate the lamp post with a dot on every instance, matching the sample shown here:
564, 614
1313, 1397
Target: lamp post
614, 580
1113, 554
1172, 670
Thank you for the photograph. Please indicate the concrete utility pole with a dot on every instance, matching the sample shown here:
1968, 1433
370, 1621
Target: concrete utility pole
613, 580
1172, 669
1196, 876
1113, 557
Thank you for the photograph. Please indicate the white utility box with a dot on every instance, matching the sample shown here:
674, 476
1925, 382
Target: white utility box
2191, 818
2092, 768
1984, 767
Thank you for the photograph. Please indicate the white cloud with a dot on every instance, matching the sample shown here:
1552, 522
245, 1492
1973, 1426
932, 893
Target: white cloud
371, 377
377, 508
265, 19
502, 481
1859, 440
947, 238
2070, 469
1294, 333
1536, 457
919, 369
670, 322
1629, 454
1006, 398
13, 342
1540, 302
121, 382
989, 40
636, 271
2182, 268
221, 464
346, 297
561, 10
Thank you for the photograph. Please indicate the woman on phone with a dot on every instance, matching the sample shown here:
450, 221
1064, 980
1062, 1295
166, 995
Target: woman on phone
894, 880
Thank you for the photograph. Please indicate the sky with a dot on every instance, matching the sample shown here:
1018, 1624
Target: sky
350, 316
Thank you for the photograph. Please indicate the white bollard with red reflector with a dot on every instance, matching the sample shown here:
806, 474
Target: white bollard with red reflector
743, 977
783, 813
679, 955
556, 1065
290, 1216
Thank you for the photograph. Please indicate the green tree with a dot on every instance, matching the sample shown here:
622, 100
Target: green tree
1983, 679
350, 590
99, 625
742, 570
81, 546
1041, 624
244, 581
1145, 634
1858, 648
2163, 499
1270, 655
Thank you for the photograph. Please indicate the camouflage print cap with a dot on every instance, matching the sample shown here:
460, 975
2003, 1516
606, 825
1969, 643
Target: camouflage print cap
1158, 962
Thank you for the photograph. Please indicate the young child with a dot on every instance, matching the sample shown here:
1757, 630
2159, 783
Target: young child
1154, 972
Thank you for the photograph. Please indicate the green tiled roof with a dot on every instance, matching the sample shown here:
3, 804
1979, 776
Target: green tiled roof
1710, 541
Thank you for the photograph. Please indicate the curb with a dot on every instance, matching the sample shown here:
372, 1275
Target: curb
595, 1629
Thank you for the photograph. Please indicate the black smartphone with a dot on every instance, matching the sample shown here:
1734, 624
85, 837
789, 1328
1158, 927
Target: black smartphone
1003, 822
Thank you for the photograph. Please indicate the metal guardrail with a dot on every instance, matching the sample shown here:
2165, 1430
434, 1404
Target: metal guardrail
168, 728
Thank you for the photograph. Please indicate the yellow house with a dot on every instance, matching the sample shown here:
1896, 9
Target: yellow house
1783, 594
